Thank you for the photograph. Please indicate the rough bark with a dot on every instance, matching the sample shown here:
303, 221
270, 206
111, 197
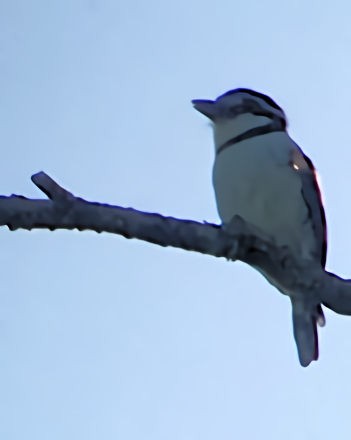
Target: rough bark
62, 210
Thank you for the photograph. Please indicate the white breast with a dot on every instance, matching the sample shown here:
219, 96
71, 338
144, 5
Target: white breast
255, 179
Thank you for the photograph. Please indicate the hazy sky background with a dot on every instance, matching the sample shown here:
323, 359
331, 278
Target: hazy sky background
107, 338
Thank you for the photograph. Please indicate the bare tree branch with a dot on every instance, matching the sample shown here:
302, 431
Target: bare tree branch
62, 210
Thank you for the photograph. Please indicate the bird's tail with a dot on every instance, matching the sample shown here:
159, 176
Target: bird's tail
305, 320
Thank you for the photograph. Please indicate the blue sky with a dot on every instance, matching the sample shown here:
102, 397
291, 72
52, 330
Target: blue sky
107, 338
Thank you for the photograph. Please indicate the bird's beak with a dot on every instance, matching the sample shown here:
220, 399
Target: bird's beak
206, 107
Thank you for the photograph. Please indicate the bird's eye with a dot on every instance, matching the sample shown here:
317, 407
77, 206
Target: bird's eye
295, 166
236, 110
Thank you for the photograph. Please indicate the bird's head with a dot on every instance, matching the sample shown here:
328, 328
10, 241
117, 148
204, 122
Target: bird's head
236, 102
240, 110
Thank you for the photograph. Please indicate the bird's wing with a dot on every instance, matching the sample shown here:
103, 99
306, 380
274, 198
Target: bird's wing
313, 199
304, 318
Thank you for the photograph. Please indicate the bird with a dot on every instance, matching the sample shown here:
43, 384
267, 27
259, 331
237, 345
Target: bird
261, 175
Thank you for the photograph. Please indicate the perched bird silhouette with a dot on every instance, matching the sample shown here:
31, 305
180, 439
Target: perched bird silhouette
261, 175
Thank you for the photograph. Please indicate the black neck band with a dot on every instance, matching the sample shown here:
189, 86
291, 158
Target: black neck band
275, 125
